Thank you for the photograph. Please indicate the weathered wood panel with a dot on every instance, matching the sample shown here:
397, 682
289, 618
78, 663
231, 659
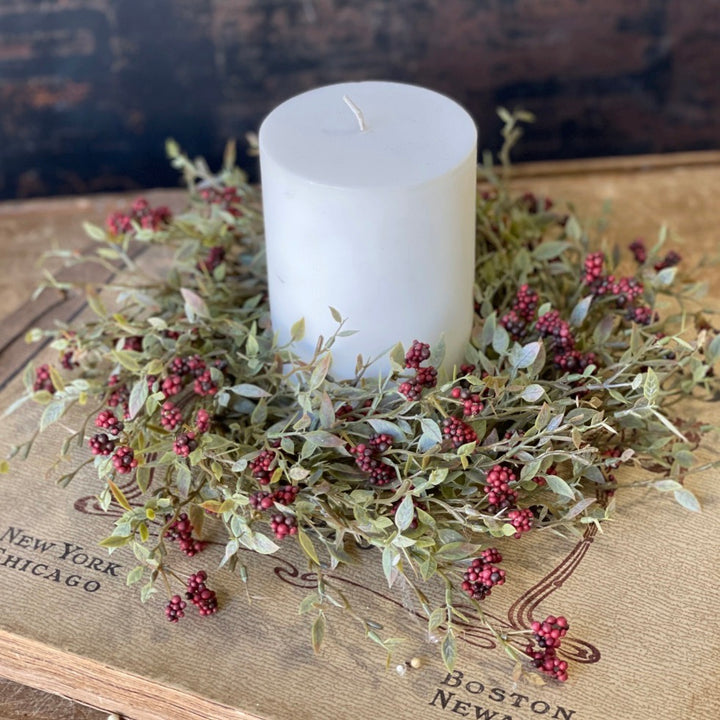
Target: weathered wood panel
89, 89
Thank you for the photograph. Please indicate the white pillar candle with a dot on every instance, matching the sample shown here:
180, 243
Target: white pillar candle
369, 204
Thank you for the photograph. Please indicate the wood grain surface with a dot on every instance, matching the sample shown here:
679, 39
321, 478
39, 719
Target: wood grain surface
643, 192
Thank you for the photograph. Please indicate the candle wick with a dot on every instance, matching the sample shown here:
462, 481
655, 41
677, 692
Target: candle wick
357, 112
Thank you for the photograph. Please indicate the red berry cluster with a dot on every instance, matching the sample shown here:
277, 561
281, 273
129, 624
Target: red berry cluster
67, 360
262, 466
264, 500
181, 530
499, 493
212, 260
670, 260
417, 354
534, 204
120, 223
175, 609
483, 574
548, 634
552, 326
283, 525
43, 380
170, 415
172, 385
594, 268
367, 458
574, 360
472, 403
522, 311
425, 377
184, 444
119, 395
133, 343
205, 385
639, 251
642, 315
101, 444
200, 595
226, 197
107, 421
124, 460
458, 431
522, 520
202, 420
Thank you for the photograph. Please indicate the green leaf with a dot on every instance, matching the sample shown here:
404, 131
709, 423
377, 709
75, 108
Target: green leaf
405, 513
249, 391
195, 306
532, 393
449, 650
263, 544
336, 316
651, 386
297, 330
666, 276
128, 359
135, 575
307, 546
138, 395
713, 351
580, 311
552, 249
94, 232
559, 486
317, 632
686, 498
523, 356
501, 340
52, 413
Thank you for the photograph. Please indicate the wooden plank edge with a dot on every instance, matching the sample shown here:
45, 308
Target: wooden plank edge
29, 662
615, 164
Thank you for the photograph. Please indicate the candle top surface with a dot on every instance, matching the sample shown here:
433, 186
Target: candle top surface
412, 135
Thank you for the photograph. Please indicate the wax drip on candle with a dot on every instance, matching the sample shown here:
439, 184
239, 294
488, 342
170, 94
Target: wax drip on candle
357, 112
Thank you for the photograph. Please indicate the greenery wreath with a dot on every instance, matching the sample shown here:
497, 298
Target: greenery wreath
572, 371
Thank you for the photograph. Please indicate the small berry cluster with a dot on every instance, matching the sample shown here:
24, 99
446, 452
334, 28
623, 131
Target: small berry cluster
472, 403
43, 380
552, 326
170, 415
101, 444
200, 595
670, 260
425, 377
226, 197
458, 431
175, 609
574, 360
119, 394
284, 495
181, 530
499, 493
107, 421
548, 634
283, 525
534, 204
124, 460
184, 444
120, 223
522, 312
212, 260
522, 520
483, 574
367, 458
205, 385
202, 420
133, 343
262, 466
639, 251
67, 360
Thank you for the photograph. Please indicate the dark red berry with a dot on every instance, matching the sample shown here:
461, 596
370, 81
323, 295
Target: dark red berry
418, 353
170, 415
521, 520
200, 595
204, 384
459, 432
483, 575
107, 421
184, 444
124, 460
101, 444
283, 525
43, 380
181, 530
171, 385
670, 260
202, 420
262, 466
594, 267
637, 248
212, 260
498, 491
175, 609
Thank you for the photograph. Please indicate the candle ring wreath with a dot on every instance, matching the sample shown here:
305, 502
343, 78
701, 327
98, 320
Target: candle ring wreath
573, 371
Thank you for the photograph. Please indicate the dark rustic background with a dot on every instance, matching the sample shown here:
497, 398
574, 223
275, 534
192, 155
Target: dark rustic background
90, 89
